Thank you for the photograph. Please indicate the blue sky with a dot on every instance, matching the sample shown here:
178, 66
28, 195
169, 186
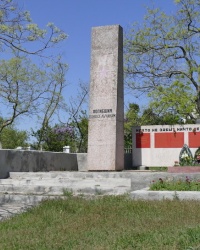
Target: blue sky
77, 17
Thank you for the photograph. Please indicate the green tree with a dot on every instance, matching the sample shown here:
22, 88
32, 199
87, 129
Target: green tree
163, 55
74, 129
178, 100
80, 125
12, 137
132, 118
55, 138
150, 117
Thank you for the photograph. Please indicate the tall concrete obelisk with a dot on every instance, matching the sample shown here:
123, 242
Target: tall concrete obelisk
106, 112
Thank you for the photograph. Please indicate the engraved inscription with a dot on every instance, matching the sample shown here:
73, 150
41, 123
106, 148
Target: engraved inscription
102, 113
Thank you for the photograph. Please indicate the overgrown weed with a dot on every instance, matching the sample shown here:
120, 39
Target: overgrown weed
186, 184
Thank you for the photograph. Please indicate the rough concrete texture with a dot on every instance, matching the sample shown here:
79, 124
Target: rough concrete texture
82, 161
55, 186
34, 161
106, 112
25, 189
30, 160
139, 179
10, 209
145, 194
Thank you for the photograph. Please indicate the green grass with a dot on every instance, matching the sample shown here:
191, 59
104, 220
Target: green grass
186, 184
104, 223
159, 169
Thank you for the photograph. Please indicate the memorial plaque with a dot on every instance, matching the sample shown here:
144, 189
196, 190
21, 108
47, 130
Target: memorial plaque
106, 113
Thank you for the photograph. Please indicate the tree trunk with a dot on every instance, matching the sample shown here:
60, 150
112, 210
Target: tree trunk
198, 102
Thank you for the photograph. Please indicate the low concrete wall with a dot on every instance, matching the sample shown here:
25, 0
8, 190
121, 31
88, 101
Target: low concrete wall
34, 161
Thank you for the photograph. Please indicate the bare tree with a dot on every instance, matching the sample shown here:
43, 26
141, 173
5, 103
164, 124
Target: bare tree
17, 31
21, 87
78, 118
53, 99
25, 88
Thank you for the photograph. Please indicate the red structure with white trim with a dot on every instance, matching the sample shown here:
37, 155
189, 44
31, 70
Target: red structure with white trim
161, 145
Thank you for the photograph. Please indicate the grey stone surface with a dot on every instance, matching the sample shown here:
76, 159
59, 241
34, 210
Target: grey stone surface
82, 161
8, 210
139, 179
28, 160
145, 194
106, 115
55, 186
26, 199
23, 190
34, 161
26, 189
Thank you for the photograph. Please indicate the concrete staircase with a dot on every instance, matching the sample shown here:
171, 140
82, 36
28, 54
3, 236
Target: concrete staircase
26, 189
23, 190
32, 187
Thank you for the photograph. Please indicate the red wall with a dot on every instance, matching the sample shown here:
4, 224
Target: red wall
169, 140
194, 139
143, 140
164, 140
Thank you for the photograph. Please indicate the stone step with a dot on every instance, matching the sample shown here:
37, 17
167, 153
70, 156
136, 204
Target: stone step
139, 180
56, 186
67, 174
75, 174
9, 209
43, 175
32, 189
24, 199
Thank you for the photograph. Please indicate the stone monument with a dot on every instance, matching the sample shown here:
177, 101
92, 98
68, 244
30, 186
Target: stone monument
106, 112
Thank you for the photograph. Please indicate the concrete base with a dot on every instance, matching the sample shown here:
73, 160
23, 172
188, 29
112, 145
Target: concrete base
23, 190
55, 186
145, 194
31, 187
10, 209
139, 179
